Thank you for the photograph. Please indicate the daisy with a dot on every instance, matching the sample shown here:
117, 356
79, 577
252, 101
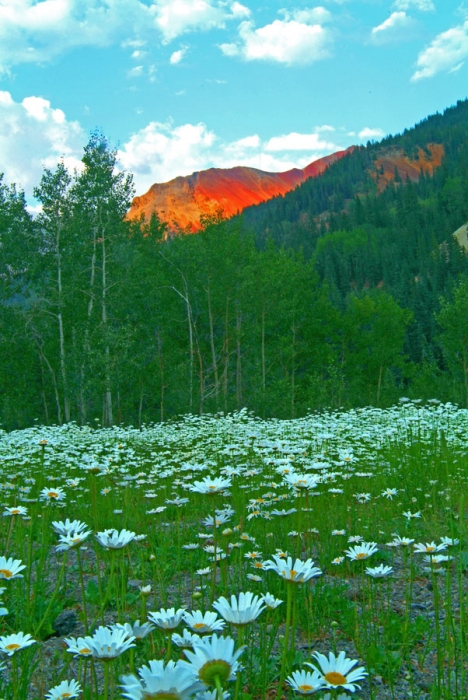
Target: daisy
402, 541
361, 551
336, 671
113, 539
254, 577
12, 643
212, 695
449, 542
172, 680
71, 541
241, 610
429, 547
186, 640
168, 619
270, 601
213, 657
338, 560
203, 623
302, 481
64, 691
389, 493
15, 510
379, 571
10, 568
299, 572
283, 513
305, 682
69, 527
135, 629
409, 515
437, 559
210, 485
106, 643
52, 495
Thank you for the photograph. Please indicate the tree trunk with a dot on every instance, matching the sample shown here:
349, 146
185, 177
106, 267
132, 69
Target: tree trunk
379, 384
86, 344
226, 356
212, 344
263, 361
54, 382
108, 413
161, 375
293, 371
239, 361
63, 364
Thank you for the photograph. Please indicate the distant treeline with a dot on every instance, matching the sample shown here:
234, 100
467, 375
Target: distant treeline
360, 303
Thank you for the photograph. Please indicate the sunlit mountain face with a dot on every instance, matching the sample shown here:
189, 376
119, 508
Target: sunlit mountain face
183, 202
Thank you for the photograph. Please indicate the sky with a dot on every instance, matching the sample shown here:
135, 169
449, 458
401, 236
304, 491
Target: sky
184, 85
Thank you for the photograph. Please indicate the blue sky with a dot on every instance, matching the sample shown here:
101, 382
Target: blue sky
182, 85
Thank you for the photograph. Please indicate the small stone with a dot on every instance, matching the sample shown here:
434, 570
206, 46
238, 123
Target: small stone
65, 622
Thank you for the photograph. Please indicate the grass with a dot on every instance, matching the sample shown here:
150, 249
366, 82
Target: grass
383, 473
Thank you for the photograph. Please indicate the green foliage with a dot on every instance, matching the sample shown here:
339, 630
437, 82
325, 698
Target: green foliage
335, 295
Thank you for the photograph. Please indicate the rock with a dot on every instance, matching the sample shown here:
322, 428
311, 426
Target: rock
65, 622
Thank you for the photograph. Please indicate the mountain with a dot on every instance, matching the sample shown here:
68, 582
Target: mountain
184, 201
431, 156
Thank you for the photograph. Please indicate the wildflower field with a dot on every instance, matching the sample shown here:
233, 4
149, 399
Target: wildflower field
226, 556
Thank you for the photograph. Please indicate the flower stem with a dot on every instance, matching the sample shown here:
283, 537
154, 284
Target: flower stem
219, 688
284, 657
83, 597
240, 641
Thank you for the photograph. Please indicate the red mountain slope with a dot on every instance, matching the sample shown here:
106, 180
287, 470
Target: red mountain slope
394, 159
182, 201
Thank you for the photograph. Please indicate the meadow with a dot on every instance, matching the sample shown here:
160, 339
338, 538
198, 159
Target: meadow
224, 555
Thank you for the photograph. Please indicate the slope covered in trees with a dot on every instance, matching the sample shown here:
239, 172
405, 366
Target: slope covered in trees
349, 302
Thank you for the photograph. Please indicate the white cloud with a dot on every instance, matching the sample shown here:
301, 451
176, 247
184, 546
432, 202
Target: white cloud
298, 142
176, 17
40, 30
421, 5
177, 56
135, 72
391, 28
298, 39
368, 134
308, 16
447, 52
35, 135
162, 151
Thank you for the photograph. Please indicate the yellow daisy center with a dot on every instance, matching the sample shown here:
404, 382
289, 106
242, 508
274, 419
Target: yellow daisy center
6, 573
292, 573
430, 549
14, 511
361, 555
198, 625
305, 688
335, 678
53, 494
13, 647
85, 651
65, 695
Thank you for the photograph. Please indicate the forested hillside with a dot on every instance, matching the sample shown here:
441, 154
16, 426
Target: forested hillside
346, 291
